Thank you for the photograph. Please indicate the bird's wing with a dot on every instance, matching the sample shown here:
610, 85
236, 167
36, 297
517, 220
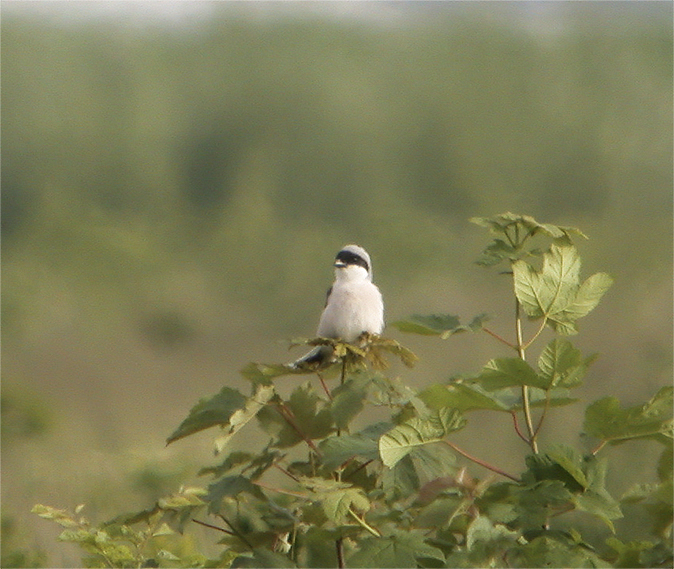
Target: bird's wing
327, 297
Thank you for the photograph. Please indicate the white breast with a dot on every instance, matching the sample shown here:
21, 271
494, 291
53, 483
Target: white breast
353, 307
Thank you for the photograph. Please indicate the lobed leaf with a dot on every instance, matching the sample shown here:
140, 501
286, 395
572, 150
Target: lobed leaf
396, 549
509, 372
443, 325
404, 439
608, 421
555, 292
338, 503
461, 396
562, 365
338, 449
305, 414
210, 412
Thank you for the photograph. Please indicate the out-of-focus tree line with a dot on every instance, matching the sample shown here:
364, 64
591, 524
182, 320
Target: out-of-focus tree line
188, 182
249, 146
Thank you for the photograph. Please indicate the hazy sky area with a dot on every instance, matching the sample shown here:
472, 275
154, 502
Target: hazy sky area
538, 16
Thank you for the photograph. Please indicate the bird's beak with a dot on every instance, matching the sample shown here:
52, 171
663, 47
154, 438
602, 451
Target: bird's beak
340, 264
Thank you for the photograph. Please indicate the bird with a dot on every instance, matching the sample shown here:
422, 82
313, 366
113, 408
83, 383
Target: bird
353, 306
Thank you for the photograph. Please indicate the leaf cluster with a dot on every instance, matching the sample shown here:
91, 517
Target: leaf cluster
329, 487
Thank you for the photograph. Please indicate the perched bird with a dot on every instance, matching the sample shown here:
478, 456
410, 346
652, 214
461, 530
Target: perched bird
354, 304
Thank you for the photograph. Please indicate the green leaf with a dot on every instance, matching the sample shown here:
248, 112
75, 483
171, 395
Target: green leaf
262, 557
495, 252
263, 394
599, 504
553, 550
482, 532
570, 460
432, 325
555, 291
535, 500
508, 372
461, 396
338, 449
405, 438
401, 481
587, 297
547, 292
560, 463
584, 477
629, 554
443, 325
186, 498
216, 410
304, 413
62, 517
396, 549
562, 365
376, 347
337, 503
433, 462
505, 221
229, 486
348, 399
608, 421
263, 374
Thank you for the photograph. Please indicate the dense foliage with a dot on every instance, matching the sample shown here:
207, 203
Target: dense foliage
335, 487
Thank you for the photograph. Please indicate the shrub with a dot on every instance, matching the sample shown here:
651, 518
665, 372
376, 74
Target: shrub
399, 492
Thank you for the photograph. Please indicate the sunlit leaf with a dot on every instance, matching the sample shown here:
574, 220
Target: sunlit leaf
555, 292
403, 439
562, 365
337, 503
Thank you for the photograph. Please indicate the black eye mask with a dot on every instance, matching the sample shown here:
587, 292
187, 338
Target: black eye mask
349, 258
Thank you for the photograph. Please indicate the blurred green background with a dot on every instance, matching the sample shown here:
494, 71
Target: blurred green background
177, 177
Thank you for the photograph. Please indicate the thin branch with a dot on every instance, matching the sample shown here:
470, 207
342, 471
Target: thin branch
286, 472
375, 532
355, 471
280, 491
537, 334
546, 408
339, 545
499, 338
237, 533
481, 462
288, 415
517, 427
600, 446
211, 526
325, 387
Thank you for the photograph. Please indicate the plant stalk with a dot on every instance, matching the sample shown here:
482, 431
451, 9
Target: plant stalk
526, 407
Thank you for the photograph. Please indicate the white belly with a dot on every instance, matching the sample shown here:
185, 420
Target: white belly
353, 308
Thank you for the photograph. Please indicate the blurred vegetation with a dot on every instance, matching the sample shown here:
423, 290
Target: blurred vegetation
173, 192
